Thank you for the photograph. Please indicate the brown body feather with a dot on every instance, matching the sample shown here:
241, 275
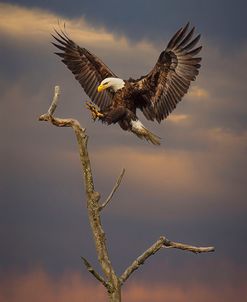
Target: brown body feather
122, 109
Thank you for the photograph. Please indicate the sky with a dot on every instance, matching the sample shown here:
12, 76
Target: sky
191, 189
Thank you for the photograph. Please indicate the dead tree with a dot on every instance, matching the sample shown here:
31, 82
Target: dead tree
110, 280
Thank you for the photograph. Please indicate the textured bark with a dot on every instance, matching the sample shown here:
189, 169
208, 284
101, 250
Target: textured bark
111, 281
115, 296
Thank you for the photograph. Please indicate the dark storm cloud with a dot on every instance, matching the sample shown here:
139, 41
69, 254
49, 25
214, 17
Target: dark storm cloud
192, 189
223, 22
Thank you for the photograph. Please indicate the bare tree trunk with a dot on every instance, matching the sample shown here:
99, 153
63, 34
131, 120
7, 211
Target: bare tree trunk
115, 296
94, 208
111, 281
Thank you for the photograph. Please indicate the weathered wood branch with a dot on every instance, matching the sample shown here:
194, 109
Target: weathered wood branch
186, 247
161, 243
141, 259
117, 184
95, 274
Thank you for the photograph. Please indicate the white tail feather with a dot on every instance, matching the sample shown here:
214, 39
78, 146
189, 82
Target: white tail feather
142, 132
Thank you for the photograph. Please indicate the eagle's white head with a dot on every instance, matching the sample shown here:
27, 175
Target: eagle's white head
114, 83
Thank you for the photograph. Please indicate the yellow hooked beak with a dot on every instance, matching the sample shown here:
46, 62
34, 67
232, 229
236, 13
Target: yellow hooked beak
101, 88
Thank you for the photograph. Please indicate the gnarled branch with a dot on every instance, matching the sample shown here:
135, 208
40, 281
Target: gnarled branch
161, 243
95, 274
186, 247
117, 184
141, 259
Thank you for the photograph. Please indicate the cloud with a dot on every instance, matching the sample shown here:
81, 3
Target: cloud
177, 118
25, 23
225, 30
39, 286
178, 170
176, 293
198, 93
35, 26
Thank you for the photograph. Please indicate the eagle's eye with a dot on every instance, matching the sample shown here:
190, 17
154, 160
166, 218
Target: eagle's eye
106, 83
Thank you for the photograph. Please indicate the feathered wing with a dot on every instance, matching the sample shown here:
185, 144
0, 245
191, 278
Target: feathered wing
88, 69
170, 78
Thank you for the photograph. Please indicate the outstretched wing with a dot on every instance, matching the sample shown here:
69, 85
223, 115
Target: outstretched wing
169, 80
88, 69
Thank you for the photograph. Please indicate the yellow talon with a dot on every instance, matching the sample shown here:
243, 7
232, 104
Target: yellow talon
94, 110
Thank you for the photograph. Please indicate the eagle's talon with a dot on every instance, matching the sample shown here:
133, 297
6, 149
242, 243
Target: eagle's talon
94, 110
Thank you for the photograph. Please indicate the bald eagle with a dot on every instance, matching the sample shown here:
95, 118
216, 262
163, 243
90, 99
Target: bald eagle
156, 94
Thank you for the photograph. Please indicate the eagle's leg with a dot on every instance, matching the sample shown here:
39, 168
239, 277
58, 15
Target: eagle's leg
94, 110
